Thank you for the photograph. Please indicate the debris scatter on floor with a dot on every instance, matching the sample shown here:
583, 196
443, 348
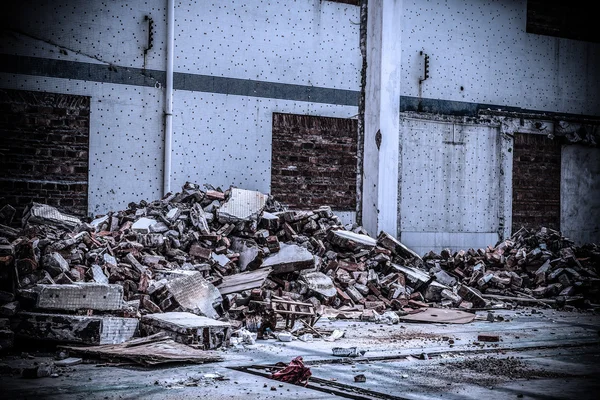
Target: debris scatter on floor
211, 267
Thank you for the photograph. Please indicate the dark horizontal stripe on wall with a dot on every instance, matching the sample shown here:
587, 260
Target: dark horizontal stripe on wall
463, 108
79, 70
181, 81
103, 73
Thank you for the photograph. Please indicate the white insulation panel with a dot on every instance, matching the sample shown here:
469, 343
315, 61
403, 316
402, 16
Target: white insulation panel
450, 185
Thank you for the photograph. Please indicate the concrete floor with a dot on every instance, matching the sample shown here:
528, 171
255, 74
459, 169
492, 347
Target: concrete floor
541, 355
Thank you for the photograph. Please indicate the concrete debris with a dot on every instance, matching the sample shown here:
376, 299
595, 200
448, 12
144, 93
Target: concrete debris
144, 225
78, 296
240, 257
319, 283
42, 214
64, 328
284, 337
68, 362
290, 258
38, 371
158, 349
191, 293
188, 328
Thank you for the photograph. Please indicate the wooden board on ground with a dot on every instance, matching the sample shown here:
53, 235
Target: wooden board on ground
152, 350
440, 315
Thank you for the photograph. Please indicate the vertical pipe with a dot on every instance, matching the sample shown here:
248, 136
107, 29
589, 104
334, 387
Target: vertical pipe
169, 96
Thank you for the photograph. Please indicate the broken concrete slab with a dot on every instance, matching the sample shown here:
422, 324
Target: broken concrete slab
79, 296
187, 328
290, 257
222, 259
320, 283
43, 214
389, 242
434, 290
444, 278
472, 295
242, 206
351, 240
99, 275
10, 309
68, 362
94, 330
250, 254
244, 281
55, 264
195, 294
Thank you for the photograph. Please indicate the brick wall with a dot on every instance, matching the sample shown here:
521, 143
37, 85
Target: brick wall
44, 150
536, 182
314, 161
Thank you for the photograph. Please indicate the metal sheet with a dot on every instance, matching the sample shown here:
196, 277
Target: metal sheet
440, 315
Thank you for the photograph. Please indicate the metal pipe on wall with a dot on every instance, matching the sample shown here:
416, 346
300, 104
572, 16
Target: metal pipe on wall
169, 96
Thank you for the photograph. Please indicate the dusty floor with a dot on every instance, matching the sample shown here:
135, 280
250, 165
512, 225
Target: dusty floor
541, 355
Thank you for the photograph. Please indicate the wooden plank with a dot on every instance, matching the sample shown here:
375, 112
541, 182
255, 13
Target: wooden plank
440, 315
154, 353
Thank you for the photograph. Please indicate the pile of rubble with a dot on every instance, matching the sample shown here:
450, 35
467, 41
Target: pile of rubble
238, 256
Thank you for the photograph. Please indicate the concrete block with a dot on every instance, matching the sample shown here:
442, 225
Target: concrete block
320, 283
79, 296
188, 328
143, 225
95, 330
290, 258
194, 294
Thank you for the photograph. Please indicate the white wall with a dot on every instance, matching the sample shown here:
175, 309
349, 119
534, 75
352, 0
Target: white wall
219, 139
305, 42
580, 194
452, 190
484, 47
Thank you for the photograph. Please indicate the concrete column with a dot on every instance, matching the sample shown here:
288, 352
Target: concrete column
382, 117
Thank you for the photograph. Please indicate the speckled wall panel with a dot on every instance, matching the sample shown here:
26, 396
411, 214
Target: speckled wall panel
480, 52
450, 184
